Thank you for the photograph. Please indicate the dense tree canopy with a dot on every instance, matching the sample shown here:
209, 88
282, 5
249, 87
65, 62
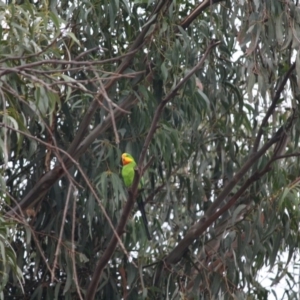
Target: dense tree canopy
203, 94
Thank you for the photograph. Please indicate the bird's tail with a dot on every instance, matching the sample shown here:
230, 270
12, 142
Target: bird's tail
144, 217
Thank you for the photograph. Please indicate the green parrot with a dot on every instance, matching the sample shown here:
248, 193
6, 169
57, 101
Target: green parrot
128, 173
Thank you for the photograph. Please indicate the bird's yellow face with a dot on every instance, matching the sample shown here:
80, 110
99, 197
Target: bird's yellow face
126, 159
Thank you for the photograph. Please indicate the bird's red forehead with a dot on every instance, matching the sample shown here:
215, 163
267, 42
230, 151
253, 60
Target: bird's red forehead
125, 159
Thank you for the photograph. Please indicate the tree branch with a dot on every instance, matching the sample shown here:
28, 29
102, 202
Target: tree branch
197, 11
272, 107
91, 291
46, 181
197, 229
138, 172
201, 226
172, 94
79, 144
81, 64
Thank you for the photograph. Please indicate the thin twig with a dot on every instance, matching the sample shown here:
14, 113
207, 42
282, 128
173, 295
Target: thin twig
75, 276
151, 160
109, 102
41, 251
7, 70
52, 147
115, 231
34, 54
63, 221
295, 154
87, 52
5, 147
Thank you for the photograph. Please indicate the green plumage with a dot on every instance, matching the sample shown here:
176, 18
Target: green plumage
128, 177
128, 172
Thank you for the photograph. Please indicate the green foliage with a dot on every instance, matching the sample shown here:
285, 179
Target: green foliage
10, 272
61, 144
